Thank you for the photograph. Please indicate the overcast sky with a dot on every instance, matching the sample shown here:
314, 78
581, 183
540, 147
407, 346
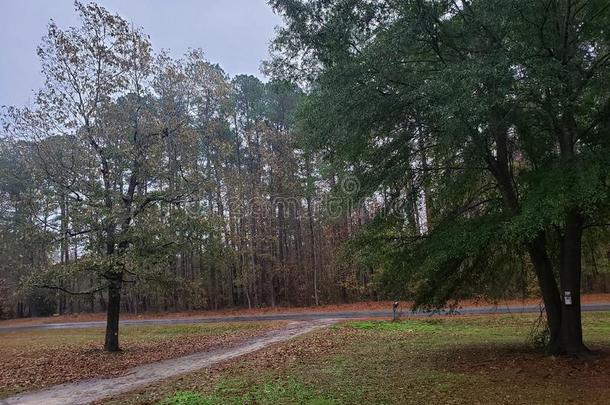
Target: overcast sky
233, 33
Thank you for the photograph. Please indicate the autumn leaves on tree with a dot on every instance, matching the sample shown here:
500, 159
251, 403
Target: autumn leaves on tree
161, 184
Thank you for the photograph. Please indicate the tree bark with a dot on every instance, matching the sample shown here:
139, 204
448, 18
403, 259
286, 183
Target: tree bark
570, 276
550, 293
111, 343
314, 257
537, 250
570, 252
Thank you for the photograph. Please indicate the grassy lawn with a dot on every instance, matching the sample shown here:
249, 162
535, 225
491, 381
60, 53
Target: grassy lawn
449, 360
40, 358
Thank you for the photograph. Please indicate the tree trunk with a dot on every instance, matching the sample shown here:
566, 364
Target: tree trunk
111, 343
563, 320
312, 240
550, 293
570, 275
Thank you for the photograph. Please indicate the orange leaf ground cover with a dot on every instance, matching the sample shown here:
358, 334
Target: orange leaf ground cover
35, 359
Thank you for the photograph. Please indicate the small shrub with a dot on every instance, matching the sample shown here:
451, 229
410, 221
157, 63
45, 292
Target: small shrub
539, 335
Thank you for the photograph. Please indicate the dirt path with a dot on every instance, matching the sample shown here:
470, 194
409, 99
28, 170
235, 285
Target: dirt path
83, 392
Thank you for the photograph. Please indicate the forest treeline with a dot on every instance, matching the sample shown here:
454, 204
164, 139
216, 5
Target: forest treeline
167, 182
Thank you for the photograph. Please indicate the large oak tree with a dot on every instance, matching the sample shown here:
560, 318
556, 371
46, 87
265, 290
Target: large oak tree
492, 117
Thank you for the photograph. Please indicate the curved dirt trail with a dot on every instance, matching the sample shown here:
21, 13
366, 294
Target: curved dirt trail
87, 391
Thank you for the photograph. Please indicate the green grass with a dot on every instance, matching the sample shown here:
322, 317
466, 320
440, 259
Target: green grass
440, 360
402, 326
231, 392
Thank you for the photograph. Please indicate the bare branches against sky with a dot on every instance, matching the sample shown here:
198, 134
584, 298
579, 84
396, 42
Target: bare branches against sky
233, 33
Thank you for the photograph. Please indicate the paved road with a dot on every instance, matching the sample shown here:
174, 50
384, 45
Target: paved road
302, 316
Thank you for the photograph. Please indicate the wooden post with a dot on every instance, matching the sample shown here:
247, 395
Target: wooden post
395, 311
